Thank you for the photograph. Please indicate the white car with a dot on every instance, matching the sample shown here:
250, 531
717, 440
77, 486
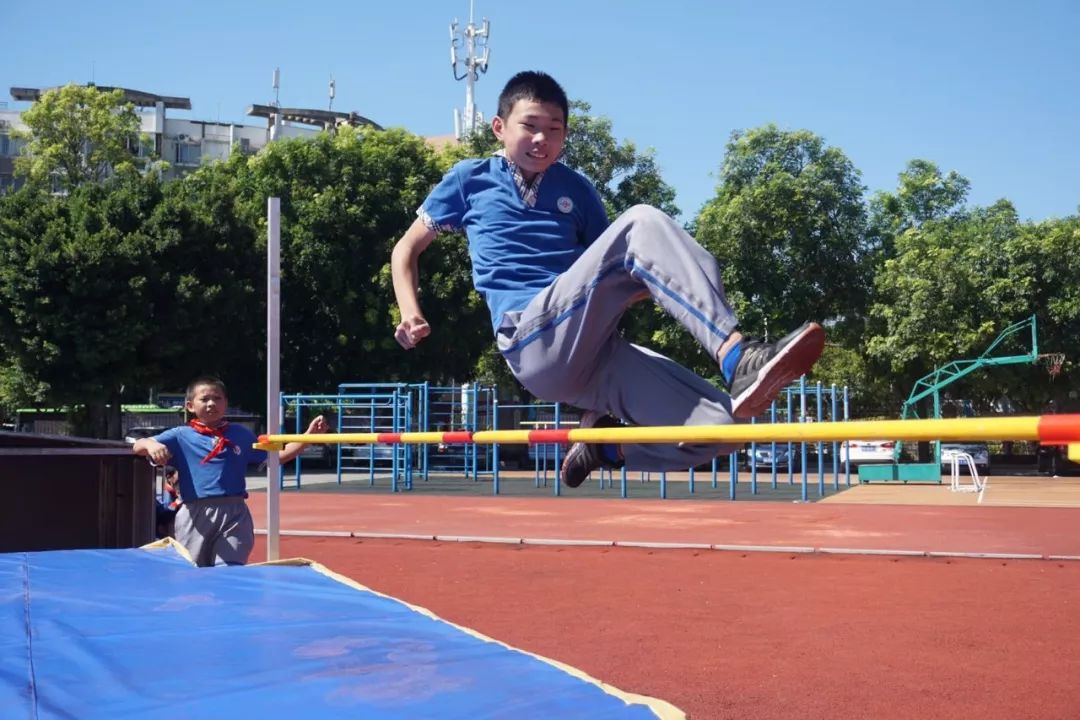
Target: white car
867, 451
138, 433
979, 452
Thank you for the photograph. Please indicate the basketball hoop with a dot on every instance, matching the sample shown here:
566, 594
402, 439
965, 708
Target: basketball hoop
1053, 362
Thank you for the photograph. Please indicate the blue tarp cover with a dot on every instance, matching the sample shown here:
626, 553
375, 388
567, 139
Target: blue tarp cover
143, 634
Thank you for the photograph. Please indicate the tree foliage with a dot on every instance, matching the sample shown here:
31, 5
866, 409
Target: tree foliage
958, 281
73, 290
122, 283
78, 134
922, 195
346, 199
788, 225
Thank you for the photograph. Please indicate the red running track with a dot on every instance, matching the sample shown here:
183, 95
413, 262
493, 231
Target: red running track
1039, 531
768, 636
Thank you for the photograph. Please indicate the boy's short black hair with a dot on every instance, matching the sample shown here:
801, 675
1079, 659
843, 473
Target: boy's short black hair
532, 85
205, 380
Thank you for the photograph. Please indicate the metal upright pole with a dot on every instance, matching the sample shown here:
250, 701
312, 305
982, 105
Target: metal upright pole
835, 445
820, 445
273, 369
802, 445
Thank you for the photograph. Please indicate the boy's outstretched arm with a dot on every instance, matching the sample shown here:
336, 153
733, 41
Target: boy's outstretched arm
290, 451
404, 269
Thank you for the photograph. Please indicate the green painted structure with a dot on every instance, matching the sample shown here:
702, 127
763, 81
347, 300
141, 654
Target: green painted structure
930, 385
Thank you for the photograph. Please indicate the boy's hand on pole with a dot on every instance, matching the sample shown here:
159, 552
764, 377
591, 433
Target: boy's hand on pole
158, 453
411, 331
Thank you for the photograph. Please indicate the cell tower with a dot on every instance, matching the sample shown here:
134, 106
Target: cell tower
275, 125
474, 40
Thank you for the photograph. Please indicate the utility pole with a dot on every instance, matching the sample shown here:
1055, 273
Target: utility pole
474, 40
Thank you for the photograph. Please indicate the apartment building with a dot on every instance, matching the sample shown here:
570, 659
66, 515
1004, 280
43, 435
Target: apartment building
184, 143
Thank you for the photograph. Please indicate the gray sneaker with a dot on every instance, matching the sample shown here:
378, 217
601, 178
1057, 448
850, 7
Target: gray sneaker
765, 369
582, 458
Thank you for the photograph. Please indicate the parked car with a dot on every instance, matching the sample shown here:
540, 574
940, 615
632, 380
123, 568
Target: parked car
138, 433
979, 452
318, 456
1054, 460
764, 457
867, 451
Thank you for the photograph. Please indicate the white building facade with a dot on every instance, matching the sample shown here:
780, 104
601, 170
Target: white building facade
183, 143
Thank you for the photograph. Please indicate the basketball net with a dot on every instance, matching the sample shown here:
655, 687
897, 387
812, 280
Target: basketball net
1053, 362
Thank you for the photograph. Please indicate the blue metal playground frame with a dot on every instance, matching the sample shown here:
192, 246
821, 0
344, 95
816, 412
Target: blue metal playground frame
471, 407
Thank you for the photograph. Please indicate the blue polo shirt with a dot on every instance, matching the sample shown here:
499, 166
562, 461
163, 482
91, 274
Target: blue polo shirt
223, 475
518, 246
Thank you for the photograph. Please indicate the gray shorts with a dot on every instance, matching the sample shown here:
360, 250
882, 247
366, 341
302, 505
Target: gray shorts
216, 531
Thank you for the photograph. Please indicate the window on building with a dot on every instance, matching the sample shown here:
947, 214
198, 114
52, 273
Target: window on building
9, 146
188, 153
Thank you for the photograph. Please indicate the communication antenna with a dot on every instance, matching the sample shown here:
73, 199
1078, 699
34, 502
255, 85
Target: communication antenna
333, 91
474, 40
275, 126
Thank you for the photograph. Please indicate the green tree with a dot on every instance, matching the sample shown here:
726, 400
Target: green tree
78, 135
922, 195
1045, 257
954, 284
788, 225
624, 175
206, 288
72, 296
345, 200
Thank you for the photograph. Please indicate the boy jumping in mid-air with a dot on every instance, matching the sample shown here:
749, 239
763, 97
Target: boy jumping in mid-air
213, 522
557, 278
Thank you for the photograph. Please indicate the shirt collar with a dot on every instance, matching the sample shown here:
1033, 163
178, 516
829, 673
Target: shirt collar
528, 190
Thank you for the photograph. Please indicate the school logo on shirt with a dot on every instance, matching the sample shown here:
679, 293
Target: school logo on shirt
236, 449
565, 204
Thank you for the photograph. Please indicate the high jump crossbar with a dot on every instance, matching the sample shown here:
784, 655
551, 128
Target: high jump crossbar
1045, 429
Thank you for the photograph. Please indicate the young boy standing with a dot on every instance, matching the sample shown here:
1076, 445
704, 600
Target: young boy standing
213, 521
557, 278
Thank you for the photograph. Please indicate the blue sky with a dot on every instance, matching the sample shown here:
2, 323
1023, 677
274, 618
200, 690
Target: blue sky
987, 88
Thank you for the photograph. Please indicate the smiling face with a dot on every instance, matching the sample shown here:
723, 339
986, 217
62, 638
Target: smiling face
533, 134
208, 403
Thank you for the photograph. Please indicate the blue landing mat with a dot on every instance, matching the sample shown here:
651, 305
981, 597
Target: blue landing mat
143, 634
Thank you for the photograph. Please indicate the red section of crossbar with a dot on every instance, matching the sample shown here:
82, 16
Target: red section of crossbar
1059, 429
549, 436
264, 438
457, 437
388, 437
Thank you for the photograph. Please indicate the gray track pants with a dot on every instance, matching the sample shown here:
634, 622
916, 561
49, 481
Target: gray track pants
564, 346
216, 531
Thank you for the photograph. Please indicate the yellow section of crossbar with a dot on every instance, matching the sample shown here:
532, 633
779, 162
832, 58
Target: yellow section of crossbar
959, 429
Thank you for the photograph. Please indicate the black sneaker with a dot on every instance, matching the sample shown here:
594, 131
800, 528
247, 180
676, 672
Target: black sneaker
582, 458
765, 369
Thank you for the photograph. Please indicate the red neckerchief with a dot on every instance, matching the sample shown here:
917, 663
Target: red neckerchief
218, 432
